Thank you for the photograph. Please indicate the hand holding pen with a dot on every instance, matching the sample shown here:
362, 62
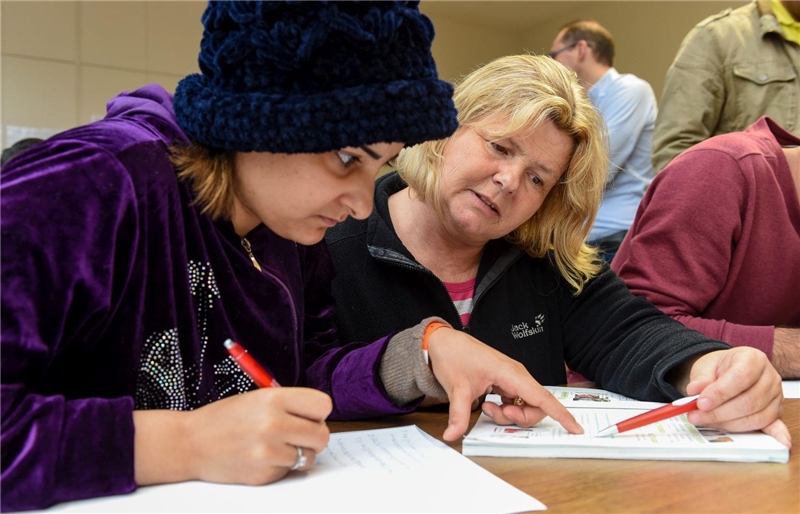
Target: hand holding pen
263, 379
736, 390
739, 391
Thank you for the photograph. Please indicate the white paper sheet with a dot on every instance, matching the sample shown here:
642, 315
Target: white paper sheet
386, 470
791, 388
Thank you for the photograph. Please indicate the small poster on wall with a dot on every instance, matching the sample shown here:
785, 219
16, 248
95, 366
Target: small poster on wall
14, 133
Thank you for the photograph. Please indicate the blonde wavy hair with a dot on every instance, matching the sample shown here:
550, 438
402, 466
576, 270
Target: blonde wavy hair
527, 91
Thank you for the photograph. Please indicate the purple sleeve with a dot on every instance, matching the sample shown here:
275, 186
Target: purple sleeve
64, 206
348, 372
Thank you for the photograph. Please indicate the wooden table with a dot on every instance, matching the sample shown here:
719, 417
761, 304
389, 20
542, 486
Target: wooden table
617, 486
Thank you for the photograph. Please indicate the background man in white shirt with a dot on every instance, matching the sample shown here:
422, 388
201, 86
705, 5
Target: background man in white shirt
628, 106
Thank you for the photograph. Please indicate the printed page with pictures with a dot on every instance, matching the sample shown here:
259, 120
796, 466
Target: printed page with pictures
573, 395
596, 409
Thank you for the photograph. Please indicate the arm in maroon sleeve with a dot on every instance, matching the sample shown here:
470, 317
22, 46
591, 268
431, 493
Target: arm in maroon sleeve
678, 253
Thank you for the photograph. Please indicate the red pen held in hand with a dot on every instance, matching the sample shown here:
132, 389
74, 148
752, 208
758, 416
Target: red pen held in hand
249, 365
667, 411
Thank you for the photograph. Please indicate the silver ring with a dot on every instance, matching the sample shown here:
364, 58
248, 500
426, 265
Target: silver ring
301, 459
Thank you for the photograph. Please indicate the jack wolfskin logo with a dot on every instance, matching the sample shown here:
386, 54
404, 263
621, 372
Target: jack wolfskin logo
522, 330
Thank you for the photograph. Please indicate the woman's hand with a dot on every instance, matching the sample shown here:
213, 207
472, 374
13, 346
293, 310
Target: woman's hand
739, 391
250, 438
467, 368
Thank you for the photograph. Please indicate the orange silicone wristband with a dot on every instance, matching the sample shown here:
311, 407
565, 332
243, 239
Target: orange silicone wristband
430, 329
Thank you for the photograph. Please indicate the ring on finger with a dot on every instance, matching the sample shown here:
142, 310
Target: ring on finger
519, 401
301, 459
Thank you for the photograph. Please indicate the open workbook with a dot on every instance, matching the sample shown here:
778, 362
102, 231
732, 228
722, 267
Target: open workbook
596, 409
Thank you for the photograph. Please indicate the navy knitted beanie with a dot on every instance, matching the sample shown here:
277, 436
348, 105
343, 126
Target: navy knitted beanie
297, 77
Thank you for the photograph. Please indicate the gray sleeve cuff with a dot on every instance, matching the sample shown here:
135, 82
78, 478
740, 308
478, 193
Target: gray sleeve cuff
403, 370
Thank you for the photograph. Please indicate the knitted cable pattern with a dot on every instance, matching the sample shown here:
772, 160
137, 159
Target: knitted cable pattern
292, 77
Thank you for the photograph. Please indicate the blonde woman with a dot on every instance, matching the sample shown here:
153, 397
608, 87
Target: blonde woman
485, 231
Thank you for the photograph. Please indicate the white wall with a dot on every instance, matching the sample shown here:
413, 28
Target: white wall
458, 48
61, 61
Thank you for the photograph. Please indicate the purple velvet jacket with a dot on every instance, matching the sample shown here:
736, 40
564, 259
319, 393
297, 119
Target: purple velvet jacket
117, 294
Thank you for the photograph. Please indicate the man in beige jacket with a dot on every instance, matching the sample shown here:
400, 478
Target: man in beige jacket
730, 70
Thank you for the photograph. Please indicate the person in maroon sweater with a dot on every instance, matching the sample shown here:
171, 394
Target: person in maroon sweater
716, 242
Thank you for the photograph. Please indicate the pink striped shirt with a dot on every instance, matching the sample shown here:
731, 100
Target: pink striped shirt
462, 295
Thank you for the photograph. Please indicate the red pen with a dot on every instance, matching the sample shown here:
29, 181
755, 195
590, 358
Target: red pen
260, 376
667, 411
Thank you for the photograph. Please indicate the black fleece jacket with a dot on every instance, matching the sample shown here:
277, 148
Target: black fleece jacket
522, 307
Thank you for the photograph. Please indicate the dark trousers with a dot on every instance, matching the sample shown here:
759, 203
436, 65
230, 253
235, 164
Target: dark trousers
608, 246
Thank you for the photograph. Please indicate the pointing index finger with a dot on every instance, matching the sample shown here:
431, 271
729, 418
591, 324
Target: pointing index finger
543, 399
